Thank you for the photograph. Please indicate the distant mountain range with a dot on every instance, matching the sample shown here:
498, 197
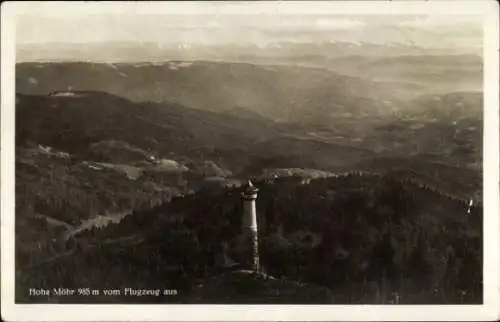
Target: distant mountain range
145, 51
284, 93
312, 102
292, 94
422, 71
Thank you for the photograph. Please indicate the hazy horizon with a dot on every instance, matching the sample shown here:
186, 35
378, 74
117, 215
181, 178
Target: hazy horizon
89, 37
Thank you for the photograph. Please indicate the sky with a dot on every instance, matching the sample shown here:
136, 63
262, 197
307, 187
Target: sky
36, 32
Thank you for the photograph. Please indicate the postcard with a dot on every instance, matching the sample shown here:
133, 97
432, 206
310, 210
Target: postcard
250, 161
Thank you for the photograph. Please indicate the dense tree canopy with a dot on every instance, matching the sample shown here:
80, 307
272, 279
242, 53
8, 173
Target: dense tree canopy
368, 239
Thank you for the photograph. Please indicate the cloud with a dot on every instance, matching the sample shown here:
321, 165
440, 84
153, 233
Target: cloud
161, 27
432, 22
312, 24
336, 24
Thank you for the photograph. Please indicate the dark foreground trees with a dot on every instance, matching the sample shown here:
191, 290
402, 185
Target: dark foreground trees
369, 239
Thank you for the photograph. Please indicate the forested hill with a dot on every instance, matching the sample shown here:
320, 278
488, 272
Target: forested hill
366, 238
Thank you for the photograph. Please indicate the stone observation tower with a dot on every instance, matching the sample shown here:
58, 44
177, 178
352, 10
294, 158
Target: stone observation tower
249, 227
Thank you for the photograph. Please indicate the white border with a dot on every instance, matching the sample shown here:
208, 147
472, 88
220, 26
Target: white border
488, 311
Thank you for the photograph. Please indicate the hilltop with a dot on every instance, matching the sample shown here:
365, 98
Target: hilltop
374, 235
246, 287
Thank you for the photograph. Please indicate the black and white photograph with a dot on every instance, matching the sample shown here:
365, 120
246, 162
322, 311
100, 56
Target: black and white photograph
226, 157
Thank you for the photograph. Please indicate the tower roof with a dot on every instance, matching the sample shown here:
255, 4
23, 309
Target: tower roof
249, 187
